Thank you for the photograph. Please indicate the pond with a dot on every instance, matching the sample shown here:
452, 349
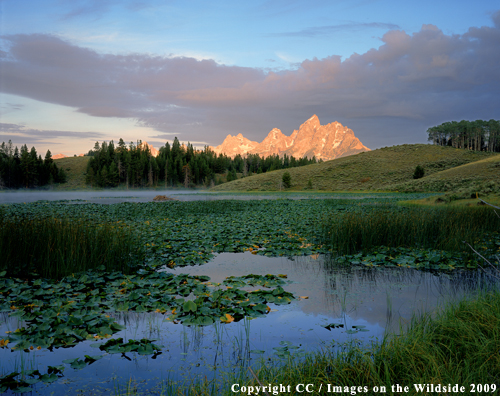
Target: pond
338, 305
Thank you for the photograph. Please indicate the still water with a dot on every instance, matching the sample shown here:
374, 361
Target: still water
367, 302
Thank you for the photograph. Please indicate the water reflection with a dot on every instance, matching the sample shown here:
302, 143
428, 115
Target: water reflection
372, 299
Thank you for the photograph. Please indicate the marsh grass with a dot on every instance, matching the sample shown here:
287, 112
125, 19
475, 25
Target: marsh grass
53, 248
433, 228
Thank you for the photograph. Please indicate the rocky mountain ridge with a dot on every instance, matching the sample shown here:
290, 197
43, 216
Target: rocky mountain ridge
154, 152
324, 142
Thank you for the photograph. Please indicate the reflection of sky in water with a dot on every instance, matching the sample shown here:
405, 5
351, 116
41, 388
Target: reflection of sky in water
373, 298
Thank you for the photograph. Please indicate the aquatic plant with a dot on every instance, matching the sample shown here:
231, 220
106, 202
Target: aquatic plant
430, 228
54, 248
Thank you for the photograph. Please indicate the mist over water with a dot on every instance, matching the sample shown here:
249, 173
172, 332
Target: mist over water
100, 196
138, 195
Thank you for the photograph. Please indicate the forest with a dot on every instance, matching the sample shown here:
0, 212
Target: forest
175, 165
27, 169
476, 135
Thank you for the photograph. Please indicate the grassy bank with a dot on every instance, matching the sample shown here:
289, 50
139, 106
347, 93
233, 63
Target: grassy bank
53, 248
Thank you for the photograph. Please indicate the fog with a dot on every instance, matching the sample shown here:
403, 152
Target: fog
117, 196
102, 196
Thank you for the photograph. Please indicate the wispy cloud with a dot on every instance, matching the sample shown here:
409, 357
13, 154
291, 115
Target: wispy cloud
165, 136
6, 108
22, 131
95, 8
332, 29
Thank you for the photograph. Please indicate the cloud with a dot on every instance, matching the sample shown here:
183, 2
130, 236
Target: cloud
94, 8
30, 141
10, 107
97, 8
164, 136
21, 131
411, 82
316, 31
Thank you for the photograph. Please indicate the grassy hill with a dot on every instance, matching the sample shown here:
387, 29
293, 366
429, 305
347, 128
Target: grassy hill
388, 168
482, 175
75, 168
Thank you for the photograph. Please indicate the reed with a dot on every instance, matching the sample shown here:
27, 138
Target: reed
434, 228
54, 248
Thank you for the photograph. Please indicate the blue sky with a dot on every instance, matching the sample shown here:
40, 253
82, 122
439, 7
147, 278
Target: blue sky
75, 72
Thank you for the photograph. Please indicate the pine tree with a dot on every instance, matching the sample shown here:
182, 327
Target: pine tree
287, 180
113, 175
187, 174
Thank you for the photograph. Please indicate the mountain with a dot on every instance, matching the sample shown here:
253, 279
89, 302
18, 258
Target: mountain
274, 143
324, 142
234, 145
61, 155
154, 152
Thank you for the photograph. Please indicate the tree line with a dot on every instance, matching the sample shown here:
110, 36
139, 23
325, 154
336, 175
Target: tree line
175, 165
27, 169
476, 135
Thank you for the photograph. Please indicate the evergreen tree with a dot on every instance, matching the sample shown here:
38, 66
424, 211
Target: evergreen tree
419, 172
113, 175
287, 180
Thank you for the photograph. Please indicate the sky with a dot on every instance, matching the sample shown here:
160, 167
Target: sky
76, 72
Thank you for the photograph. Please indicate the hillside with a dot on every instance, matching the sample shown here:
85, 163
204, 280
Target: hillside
388, 168
482, 175
75, 168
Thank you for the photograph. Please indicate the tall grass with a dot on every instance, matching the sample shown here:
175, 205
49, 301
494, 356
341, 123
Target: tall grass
435, 228
54, 248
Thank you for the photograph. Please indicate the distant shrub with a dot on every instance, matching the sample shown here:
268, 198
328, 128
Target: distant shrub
287, 180
419, 172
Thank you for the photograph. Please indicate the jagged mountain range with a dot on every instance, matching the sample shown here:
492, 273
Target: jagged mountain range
324, 142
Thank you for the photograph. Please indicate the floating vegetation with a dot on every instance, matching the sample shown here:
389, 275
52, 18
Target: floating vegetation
55, 318
425, 259
61, 314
